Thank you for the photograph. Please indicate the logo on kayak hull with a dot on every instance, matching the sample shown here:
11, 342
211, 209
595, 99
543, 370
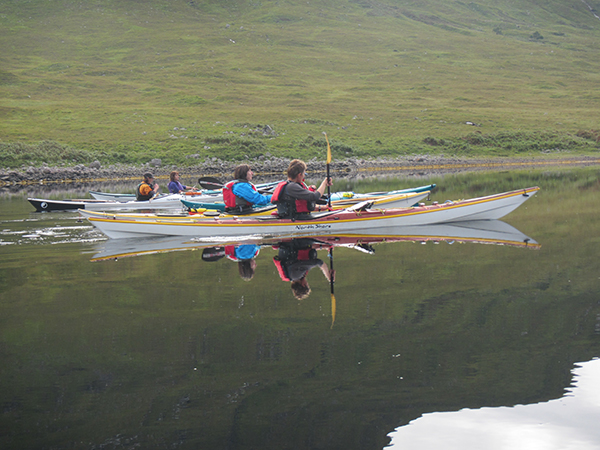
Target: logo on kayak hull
313, 227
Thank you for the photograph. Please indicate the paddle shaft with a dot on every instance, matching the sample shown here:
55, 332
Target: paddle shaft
328, 188
331, 268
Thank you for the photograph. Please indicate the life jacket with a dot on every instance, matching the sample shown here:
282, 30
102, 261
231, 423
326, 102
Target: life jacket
283, 261
232, 201
287, 207
230, 253
143, 197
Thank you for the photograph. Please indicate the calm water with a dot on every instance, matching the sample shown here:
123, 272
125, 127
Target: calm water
455, 337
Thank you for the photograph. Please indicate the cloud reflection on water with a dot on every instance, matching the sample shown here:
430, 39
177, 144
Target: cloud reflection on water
570, 422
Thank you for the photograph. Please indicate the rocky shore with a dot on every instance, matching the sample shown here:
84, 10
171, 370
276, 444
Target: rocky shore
273, 168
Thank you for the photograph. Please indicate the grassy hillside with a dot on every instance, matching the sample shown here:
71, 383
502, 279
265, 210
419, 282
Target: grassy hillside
123, 80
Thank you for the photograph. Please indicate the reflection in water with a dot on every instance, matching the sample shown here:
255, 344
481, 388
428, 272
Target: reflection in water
174, 350
296, 256
244, 254
570, 422
294, 259
482, 231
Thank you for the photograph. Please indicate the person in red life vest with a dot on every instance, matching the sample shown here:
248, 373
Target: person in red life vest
294, 199
293, 262
240, 195
147, 189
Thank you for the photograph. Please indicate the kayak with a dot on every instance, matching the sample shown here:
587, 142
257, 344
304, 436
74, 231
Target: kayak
381, 201
112, 197
404, 200
356, 217
396, 199
171, 202
493, 232
210, 198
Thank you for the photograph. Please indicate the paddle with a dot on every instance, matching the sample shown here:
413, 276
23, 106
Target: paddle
212, 184
212, 254
331, 277
328, 162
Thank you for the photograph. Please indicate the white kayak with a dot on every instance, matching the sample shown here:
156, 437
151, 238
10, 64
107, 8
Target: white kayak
170, 202
352, 219
217, 193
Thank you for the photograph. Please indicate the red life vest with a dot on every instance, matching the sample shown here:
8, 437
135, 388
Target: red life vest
230, 252
299, 206
303, 255
233, 201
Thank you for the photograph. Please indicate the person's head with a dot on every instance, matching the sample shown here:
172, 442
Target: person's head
174, 175
241, 172
296, 168
148, 177
246, 268
300, 288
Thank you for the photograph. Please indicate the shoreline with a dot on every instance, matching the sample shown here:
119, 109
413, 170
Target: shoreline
276, 167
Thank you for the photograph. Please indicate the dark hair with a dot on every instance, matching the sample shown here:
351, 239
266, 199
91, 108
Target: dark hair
246, 269
148, 175
172, 175
241, 172
295, 168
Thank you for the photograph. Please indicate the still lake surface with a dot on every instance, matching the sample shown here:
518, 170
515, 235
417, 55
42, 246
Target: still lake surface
453, 339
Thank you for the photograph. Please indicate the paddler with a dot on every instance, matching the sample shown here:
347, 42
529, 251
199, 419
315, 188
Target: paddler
147, 189
294, 260
175, 186
294, 199
240, 195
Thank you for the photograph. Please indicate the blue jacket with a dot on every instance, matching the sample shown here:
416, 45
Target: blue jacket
245, 191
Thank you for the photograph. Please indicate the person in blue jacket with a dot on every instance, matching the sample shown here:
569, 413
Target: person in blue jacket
240, 195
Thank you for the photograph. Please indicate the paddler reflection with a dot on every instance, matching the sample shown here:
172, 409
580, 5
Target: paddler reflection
245, 255
295, 259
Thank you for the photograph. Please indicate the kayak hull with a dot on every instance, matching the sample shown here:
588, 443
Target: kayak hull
347, 220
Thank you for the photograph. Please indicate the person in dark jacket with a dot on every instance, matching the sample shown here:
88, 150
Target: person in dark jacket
147, 189
293, 197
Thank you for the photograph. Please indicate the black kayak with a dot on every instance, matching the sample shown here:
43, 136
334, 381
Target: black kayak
42, 205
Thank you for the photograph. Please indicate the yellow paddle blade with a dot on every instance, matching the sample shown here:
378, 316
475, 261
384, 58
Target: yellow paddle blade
328, 149
332, 309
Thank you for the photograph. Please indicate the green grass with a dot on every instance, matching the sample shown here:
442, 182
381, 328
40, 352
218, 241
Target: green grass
130, 81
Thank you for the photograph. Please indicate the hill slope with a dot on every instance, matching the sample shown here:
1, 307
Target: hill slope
115, 76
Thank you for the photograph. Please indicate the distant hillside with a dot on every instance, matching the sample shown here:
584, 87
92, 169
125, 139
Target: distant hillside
205, 77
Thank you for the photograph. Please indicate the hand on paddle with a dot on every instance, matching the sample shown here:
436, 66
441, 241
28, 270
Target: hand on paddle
324, 184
